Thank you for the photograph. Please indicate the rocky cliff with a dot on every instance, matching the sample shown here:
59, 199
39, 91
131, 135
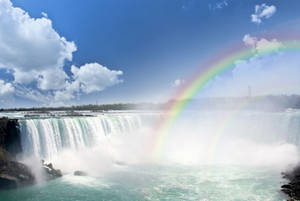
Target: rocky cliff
10, 139
292, 188
12, 173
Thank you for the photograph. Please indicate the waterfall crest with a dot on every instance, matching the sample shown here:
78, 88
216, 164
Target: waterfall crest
192, 137
46, 137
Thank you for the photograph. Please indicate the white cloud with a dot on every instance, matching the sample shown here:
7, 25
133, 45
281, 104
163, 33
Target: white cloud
276, 73
249, 40
35, 54
52, 79
61, 97
262, 11
178, 82
92, 77
30, 46
33, 94
266, 75
44, 14
6, 90
218, 5
260, 45
95, 77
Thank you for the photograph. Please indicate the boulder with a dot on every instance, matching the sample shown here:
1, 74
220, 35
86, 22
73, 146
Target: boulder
292, 188
8, 182
50, 171
12, 173
80, 173
10, 138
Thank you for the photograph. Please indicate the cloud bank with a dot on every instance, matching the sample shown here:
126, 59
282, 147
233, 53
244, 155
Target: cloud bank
276, 73
92, 77
95, 77
35, 54
262, 11
260, 45
6, 91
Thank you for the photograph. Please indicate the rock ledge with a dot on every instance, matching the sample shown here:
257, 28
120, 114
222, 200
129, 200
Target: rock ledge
292, 189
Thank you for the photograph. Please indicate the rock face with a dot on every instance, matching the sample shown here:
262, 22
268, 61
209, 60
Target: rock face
50, 172
12, 173
80, 173
10, 139
292, 189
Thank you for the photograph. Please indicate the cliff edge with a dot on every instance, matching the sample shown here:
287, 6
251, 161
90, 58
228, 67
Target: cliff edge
12, 173
292, 188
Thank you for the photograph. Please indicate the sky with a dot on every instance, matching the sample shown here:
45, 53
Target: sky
85, 52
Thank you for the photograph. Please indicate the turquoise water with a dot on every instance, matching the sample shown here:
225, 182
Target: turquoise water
147, 182
107, 145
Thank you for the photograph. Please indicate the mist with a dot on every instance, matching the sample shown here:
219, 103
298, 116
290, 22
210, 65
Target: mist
273, 74
205, 138
245, 138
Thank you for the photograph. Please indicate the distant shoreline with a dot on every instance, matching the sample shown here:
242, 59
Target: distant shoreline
261, 103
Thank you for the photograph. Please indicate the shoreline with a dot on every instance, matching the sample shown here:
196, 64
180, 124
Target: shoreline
292, 188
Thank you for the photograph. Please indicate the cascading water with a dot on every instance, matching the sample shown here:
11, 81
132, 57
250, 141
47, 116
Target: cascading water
248, 150
46, 137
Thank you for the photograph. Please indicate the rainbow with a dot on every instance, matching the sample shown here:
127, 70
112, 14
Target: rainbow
207, 73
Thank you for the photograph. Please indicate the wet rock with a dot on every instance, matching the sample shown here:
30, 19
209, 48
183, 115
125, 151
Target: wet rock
292, 188
10, 139
80, 173
50, 171
8, 182
12, 173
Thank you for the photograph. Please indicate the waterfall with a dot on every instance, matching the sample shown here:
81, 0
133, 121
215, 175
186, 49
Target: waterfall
46, 137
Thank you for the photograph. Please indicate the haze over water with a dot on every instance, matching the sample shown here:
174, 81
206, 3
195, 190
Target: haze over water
228, 70
244, 165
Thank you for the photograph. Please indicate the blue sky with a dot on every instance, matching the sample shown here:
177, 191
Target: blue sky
126, 50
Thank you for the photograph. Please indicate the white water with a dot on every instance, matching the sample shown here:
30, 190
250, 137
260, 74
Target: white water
245, 138
48, 136
240, 138
207, 156
73, 143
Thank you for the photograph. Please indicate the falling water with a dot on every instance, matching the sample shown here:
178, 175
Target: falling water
252, 148
46, 137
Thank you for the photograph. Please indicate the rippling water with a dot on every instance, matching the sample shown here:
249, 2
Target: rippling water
205, 183
253, 148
